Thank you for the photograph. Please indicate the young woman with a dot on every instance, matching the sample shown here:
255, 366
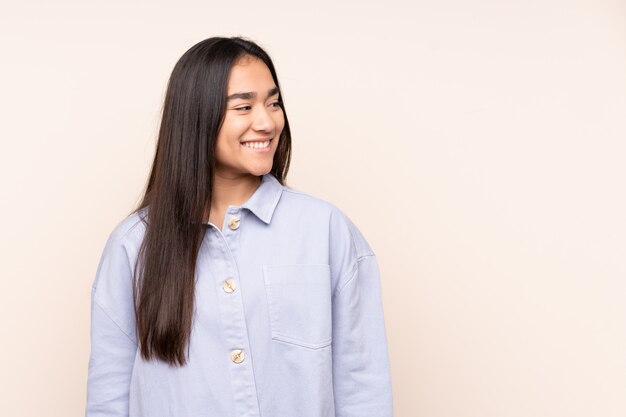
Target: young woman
226, 292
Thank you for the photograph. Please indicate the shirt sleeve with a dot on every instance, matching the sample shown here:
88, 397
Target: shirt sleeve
361, 371
113, 346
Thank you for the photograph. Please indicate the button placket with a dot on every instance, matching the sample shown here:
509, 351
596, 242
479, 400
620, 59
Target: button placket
232, 316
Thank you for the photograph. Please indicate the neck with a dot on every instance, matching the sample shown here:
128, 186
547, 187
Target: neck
232, 190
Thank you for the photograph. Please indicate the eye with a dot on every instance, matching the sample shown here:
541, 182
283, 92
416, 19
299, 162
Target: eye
243, 108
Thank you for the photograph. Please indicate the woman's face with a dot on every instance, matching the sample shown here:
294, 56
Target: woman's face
254, 116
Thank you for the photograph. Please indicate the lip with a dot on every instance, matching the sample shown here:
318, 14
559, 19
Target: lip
256, 140
258, 150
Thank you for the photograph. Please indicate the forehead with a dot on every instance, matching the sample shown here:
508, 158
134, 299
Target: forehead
249, 74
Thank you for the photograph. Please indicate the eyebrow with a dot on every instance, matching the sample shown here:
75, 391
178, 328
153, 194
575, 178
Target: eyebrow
250, 94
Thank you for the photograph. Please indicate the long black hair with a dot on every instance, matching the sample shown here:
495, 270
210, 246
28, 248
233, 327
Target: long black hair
178, 192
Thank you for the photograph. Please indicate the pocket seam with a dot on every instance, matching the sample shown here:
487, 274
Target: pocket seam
274, 310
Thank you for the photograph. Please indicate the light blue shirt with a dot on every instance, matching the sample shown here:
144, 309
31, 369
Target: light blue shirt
296, 331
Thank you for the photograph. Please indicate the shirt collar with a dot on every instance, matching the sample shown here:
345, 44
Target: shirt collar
265, 199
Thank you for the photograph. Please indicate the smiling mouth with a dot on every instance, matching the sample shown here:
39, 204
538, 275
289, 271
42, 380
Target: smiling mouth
259, 146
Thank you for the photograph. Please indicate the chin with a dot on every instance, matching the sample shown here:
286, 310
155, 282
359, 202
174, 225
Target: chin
260, 171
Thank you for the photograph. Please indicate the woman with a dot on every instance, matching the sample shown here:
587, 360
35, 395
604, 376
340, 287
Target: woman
226, 292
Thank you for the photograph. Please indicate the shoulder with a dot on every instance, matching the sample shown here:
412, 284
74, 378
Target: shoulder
341, 226
112, 287
347, 246
295, 198
128, 233
131, 225
121, 248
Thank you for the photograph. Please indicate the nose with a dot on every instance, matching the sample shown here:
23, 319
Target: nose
263, 120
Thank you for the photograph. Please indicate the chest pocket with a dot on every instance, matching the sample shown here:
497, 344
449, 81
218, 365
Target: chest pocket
299, 303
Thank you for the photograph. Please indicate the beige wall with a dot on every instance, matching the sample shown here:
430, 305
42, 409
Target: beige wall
478, 145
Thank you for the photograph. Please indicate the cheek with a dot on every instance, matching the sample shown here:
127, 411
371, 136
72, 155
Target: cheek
280, 122
231, 131
238, 125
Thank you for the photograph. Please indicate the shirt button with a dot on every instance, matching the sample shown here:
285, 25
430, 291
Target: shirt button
233, 222
237, 355
229, 285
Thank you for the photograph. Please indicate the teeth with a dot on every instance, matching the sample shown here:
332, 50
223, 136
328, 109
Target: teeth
256, 145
